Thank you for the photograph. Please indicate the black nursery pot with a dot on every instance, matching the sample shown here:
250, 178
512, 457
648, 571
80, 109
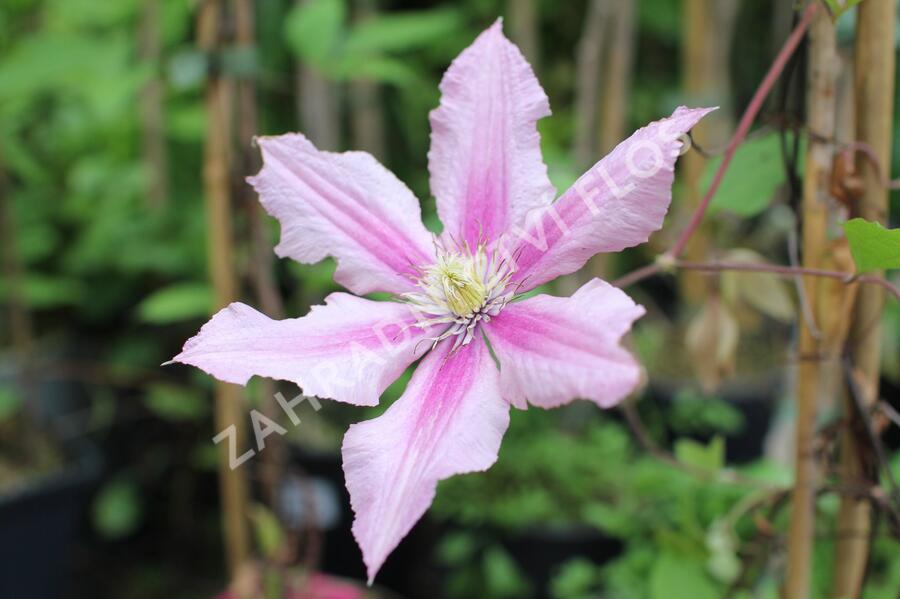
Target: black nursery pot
755, 398
39, 524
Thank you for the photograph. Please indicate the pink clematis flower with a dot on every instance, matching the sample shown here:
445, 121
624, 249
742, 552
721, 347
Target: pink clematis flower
457, 294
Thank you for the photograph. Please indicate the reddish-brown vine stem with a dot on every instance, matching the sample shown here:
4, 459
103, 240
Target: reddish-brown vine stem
775, 269
756, 103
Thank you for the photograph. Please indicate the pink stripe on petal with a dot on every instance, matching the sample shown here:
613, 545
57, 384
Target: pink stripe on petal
617, 204
485, 158
350, 349
343, 205
555, 349
450, 420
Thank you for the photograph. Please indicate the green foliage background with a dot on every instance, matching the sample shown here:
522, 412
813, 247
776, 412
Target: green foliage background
114, 286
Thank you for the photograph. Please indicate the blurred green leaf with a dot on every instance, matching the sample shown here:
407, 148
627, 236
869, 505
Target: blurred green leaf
706, 457
723, 563
269, 536
37, 241
890, 356
455, 548
839, 7
205, 456
47, 291
175, 403
117, 509
314, 29
502, 575
873, 247
90, 13
693, 412
9, 403
377, 68
186, 121
755, 173
660, 18
402, 31
182, 301
608, 518
577, 579
674, 577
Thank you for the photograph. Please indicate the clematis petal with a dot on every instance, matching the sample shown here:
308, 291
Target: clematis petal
449, 421
617, 204
485, 158
347, 206
350, 349
556, 349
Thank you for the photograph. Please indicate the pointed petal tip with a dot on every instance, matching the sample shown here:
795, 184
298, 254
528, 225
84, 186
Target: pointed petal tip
692, 114
493, 33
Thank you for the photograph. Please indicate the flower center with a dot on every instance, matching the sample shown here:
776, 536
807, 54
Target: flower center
460, 282
461, 289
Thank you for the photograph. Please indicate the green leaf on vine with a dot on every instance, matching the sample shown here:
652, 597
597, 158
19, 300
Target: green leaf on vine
839, 7
873, 247
757, 172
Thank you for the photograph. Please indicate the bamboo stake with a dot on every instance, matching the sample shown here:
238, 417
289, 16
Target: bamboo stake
616, 71
618, 66
216, 185
261, 262
874, 83
696, 67
153, 136
587, 83
821, 97
523, 22
707, 29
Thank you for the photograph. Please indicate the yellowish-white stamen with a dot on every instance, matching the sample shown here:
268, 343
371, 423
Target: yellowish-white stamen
461, 290
458, 278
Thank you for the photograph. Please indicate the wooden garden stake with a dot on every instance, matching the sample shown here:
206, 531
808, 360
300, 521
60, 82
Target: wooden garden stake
153, 126
816, 212
216, 184
587, 81
524, 18
618, 66
874, 90
615, 90
707, 27
261, 263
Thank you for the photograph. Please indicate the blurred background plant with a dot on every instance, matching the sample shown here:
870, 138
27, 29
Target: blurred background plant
108, 470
